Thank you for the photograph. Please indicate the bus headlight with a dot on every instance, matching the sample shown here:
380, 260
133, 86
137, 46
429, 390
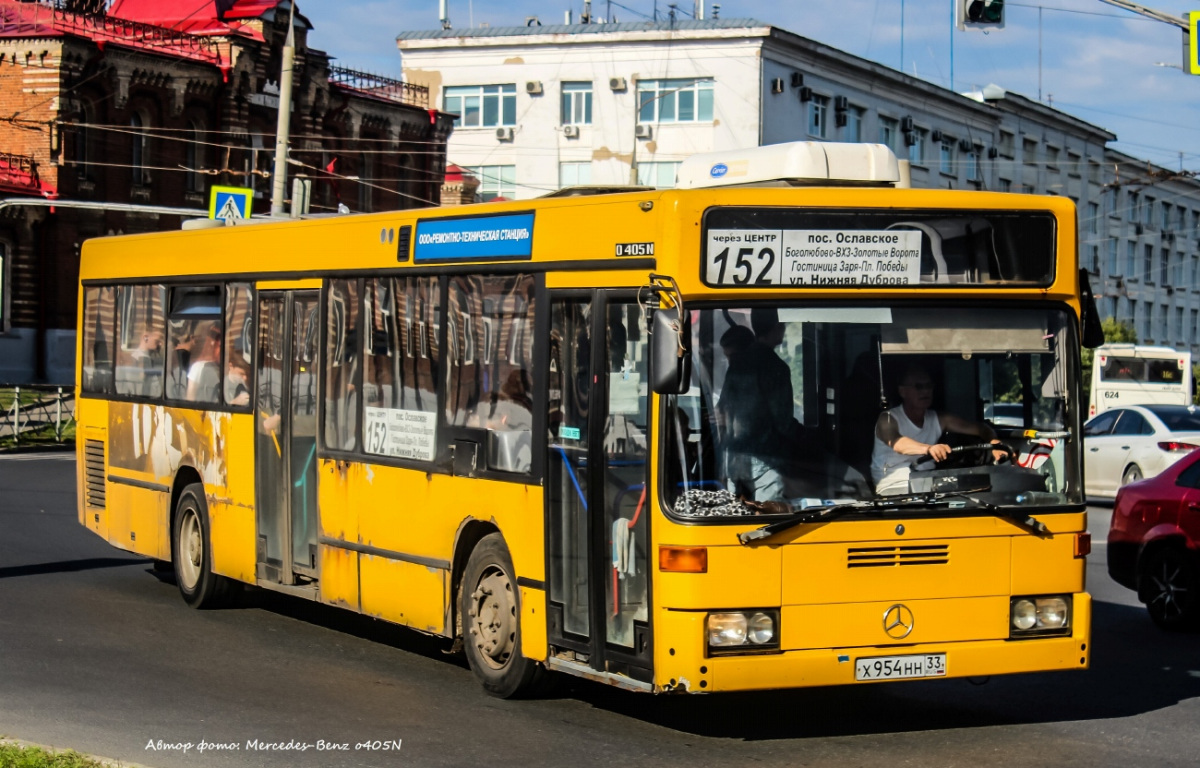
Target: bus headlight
1040, 616
742, 631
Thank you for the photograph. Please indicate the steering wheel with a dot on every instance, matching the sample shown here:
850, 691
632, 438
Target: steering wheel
971, 455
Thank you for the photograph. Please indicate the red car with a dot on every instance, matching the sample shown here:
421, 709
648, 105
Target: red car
1154, 543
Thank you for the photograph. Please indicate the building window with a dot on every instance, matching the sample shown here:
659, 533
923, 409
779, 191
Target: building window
1179, 332
1195, 321
854, 120
1094, 261
974, 169
1146, 322
889, 130
1133, 313
138, 150
1148, 211
366, 183
1004, 185
1112, 256
1131, 259
576, 103
1029, 151
574, 174
3, 287
495, 181
194, 157
1005, 146
916, 150
1148, 264
1164, 257
1135, 206
1093, 225
661, 175
1052, 157
1165, 216
1177, 281
946, 156
818, 116
484, 106
685, 100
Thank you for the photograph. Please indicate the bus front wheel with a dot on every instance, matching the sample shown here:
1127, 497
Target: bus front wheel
491, 621
200, 587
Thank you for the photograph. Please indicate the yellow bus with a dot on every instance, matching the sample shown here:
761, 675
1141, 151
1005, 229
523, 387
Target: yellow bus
636, 436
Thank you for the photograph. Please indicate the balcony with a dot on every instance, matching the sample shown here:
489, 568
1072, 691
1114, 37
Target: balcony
378, 87
19, 175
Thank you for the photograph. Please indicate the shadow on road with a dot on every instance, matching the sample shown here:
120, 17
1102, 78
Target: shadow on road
68, 566
1136, 668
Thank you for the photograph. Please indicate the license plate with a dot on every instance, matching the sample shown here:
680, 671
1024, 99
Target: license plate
900, 667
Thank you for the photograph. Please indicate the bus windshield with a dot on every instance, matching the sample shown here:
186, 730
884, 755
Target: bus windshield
792, 406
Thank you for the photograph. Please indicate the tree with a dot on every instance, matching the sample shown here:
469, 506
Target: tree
1115, 332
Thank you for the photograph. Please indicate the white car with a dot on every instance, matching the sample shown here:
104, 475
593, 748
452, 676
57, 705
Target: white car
1124, 445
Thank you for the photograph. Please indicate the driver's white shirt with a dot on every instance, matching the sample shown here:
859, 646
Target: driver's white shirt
890, 468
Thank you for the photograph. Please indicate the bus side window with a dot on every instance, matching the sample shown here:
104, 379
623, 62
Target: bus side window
194, 341
239, 343
99, 307
141, 327
341, 365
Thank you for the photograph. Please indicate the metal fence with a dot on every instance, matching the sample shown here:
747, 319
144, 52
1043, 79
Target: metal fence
32, 414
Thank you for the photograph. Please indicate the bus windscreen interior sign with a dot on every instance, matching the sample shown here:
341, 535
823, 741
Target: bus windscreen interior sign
804, 248
508, 236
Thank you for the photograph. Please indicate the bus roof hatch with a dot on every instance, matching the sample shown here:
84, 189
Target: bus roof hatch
796, 163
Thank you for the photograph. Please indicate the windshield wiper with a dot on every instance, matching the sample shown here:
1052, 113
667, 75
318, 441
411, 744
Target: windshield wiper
1026, 521
948, 499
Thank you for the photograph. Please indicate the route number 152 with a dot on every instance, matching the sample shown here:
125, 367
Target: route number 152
746, 264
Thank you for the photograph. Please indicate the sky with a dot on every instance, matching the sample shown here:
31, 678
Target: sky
1099, 63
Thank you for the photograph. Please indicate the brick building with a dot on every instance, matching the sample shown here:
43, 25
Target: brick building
150, 102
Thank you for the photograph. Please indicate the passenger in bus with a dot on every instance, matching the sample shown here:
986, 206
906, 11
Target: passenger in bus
913, 429
761, 434
237, 379
204, 373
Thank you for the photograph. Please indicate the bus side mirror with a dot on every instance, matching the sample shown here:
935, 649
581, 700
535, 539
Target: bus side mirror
670, 358
1093, 333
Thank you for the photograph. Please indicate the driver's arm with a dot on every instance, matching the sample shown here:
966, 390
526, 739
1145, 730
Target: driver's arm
888, 431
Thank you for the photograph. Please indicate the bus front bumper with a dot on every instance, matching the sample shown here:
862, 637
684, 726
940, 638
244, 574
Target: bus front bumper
682, 668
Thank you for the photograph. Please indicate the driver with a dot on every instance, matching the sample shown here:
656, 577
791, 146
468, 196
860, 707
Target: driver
913, 429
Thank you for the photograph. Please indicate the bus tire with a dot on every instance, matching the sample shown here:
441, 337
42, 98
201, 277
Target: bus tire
192, 549
490, 607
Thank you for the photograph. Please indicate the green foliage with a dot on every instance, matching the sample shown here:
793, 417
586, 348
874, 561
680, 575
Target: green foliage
17, 756
1115, 332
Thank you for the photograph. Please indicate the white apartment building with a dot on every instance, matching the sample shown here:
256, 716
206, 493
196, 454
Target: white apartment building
543, 107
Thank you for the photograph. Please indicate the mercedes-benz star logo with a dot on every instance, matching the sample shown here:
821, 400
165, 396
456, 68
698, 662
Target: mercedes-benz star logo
898, 621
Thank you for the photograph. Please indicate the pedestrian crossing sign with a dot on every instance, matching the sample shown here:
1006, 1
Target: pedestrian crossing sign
230, 203
1192, 44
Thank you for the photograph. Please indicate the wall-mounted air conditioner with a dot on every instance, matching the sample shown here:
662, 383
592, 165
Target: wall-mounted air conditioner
936, 137
806, 94
797, 79
504, 134
617, 84
777, 85
841, 103
906, 123
571, 131
533, 88
643, 131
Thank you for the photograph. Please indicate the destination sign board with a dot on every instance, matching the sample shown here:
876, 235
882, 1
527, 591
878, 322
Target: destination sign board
813, 257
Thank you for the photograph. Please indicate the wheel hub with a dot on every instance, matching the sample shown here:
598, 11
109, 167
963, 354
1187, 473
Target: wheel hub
493, 617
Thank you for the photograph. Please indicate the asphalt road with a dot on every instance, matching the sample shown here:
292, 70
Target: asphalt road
99, 654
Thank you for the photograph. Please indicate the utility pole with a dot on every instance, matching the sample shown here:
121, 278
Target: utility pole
282, 125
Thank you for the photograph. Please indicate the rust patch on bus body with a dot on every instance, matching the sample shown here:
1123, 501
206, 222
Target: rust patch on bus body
157, 440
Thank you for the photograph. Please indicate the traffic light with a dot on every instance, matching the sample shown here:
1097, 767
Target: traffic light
980, 14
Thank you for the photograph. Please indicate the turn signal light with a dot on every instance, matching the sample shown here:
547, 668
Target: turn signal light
1172, 446
683, 559
1083, 544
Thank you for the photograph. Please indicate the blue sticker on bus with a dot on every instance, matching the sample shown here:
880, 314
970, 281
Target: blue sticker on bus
509, 236
719, 170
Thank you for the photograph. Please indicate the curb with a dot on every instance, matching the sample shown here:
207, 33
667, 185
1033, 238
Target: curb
104, 761
36, 448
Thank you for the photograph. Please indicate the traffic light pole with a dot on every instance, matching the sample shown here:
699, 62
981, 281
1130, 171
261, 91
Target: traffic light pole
1142, 10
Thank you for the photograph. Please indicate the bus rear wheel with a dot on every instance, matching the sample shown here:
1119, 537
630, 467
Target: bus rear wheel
192, 555
491, 622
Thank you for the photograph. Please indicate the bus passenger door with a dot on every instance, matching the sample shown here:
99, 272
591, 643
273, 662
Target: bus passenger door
596, 471
286, 441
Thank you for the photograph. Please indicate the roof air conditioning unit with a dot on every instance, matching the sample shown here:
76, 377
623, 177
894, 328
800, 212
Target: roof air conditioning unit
906, 123
504, 134
617, 84
533, 88
841, 103
643, 131
797, 79
571, 131
806, 94
777, 85
936, 137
